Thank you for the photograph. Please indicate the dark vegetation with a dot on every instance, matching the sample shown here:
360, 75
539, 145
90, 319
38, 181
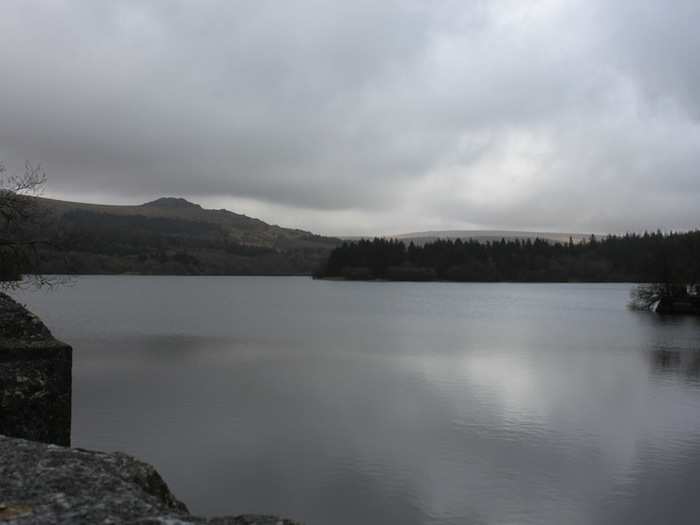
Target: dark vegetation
171, 236
673, 260
22, 226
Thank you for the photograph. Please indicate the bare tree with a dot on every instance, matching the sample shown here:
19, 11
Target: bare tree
21, 227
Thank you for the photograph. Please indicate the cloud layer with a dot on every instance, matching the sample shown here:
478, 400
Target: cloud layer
364, 117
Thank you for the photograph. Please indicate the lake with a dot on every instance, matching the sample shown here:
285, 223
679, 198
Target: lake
389, 403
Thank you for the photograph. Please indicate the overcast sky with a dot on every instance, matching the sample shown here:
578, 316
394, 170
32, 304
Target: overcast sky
362, 117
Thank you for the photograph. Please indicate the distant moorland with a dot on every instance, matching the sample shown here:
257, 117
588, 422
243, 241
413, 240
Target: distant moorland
420, 238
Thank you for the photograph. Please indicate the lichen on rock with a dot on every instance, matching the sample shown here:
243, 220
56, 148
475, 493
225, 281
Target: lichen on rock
18, 326
35, 377
42, 484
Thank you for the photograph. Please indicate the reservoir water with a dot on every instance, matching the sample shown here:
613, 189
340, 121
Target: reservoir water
389, 403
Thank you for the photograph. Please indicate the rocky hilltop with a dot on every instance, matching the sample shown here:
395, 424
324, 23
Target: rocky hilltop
171, 235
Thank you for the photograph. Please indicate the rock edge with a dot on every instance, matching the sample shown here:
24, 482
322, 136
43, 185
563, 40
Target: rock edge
35, 377
43, 484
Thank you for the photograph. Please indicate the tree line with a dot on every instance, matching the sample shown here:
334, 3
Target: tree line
672, 258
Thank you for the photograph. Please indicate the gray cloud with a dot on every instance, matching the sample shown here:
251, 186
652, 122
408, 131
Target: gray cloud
359, 117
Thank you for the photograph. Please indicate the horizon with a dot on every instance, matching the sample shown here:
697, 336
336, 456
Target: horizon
310, 228
398, 235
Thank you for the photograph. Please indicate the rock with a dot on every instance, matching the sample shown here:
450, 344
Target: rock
35, 377
42, 483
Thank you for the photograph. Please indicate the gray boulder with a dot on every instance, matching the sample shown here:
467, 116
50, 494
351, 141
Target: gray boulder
35, 377
43, 484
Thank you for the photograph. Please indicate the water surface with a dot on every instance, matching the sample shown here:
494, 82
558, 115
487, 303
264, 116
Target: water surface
390, 403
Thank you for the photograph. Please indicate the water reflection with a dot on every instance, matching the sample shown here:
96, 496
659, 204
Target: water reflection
681, 364
391, 403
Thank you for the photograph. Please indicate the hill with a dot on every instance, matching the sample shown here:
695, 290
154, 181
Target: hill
421, 238
172, 236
